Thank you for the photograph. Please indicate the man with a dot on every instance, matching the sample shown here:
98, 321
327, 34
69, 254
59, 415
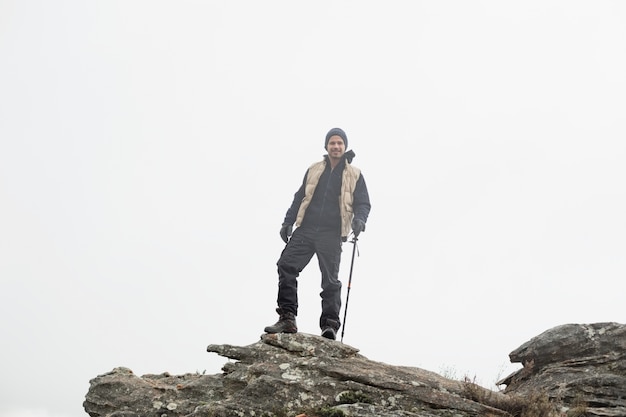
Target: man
332, 200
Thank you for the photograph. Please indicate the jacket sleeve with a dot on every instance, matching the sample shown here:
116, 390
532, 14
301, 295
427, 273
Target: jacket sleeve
361, 202
292, 211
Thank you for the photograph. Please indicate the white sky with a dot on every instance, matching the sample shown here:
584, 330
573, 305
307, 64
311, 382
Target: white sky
150, 149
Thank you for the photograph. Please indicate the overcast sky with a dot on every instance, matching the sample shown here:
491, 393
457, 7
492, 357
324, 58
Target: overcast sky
150, 149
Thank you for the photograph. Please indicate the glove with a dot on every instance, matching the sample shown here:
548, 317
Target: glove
285, 232
358, 226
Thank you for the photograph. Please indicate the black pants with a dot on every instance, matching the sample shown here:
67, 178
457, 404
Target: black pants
305, 243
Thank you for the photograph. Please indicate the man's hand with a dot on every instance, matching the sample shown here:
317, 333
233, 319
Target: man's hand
285, 232
358, 226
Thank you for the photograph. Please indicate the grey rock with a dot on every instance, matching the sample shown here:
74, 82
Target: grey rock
285, 374
576, 365
572, 370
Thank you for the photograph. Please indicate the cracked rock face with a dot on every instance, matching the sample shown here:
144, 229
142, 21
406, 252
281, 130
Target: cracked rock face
580, 365
284, 374
575, 367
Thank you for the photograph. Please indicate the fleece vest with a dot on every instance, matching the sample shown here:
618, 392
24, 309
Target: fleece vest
349, 178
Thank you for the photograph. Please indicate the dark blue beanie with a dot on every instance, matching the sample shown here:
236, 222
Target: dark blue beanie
336, 131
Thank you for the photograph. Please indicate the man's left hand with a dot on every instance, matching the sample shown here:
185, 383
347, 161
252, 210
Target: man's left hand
358, 226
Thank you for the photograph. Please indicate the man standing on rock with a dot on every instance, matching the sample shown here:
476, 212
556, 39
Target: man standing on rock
332, 200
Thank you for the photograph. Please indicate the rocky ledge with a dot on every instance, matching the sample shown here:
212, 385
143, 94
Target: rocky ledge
570, 370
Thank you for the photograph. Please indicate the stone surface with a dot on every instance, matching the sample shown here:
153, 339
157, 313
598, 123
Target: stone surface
571, 370
285, 374
577, 365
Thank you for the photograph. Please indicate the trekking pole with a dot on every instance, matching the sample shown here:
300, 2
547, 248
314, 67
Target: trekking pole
345, 313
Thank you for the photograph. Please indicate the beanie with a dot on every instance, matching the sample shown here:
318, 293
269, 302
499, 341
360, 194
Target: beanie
336, 131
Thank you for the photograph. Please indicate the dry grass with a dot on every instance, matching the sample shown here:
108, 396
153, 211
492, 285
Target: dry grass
534, 405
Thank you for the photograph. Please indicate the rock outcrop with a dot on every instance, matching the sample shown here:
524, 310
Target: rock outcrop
578, 365
570, 370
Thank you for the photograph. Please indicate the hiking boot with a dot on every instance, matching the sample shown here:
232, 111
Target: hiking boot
286, 323
329, 333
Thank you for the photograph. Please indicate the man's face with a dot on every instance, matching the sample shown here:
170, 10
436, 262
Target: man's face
335, 147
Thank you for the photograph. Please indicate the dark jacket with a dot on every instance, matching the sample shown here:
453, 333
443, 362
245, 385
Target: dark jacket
323, 213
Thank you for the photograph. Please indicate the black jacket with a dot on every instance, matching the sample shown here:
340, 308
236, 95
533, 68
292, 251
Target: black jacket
323, 212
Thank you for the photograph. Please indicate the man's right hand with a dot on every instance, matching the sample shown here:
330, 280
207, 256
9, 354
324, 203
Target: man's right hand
285, 232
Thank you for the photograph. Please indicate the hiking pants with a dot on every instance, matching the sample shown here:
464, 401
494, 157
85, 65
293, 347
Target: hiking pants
305, 243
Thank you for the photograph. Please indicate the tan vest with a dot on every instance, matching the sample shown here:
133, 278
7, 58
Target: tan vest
349, 179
